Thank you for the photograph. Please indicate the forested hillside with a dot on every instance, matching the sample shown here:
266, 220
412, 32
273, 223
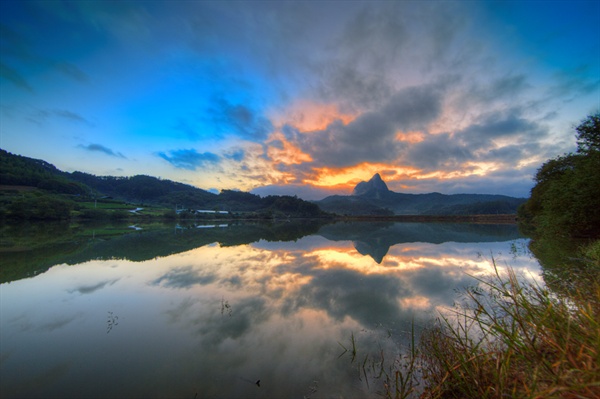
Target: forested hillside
16, 170
58, 193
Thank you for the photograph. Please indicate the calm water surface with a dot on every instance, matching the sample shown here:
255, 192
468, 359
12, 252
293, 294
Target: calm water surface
208, 312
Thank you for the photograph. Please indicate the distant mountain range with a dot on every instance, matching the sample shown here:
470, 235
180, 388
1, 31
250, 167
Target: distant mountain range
17, 170
368, 198
374, 198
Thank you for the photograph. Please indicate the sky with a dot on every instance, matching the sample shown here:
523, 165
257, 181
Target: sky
302, 98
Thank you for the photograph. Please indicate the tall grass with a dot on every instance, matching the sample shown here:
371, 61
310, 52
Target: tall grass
508, 339
513, 339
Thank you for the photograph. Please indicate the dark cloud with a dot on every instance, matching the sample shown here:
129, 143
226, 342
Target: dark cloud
40, 116
189, 159
240, 120
13, 76
72, 71
415, 107
371, 137
73, 116
102, 149
278, 143
236, 155
485, 140
501, 125
352, 88
18, 48
498, 89
377, 45
574, 82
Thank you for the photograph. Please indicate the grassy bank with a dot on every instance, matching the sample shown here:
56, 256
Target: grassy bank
509, 339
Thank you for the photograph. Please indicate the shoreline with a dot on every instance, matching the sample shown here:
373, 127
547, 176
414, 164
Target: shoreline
483, 219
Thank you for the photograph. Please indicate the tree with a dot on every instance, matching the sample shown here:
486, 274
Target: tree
588, 134
566, 198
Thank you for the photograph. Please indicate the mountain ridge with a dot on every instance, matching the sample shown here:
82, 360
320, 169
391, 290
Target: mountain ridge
375, 198
371, 198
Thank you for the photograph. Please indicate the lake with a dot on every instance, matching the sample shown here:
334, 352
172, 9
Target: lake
230, 310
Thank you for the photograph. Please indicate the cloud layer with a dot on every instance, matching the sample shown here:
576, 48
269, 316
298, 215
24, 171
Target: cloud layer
435, 96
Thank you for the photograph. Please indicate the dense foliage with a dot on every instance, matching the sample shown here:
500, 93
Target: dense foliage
566, 197
16, 170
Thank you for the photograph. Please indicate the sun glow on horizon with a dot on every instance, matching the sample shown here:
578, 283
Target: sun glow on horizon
351, 176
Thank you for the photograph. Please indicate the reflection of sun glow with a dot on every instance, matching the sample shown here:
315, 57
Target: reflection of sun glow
349, 258
417, 302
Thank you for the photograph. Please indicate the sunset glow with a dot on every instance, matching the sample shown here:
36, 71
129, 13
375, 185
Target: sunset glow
300, 98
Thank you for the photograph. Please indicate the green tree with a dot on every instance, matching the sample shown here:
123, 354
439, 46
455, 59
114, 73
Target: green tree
588, 134
566, 198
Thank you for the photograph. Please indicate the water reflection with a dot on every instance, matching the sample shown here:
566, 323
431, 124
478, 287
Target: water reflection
214, 319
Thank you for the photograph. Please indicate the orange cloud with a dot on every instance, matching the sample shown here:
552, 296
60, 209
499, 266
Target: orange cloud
287, 153
410, 137
308, 116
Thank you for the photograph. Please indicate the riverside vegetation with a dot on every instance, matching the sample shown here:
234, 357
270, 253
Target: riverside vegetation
508, 337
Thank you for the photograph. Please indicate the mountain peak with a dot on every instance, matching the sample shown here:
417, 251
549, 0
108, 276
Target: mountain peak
376, 185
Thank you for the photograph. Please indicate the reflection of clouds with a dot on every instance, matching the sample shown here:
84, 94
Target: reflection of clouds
179, 312
184, 277
290, 306
438, 284
88, 289
334, 279
57, 324
206, 318
23, 323
341, 293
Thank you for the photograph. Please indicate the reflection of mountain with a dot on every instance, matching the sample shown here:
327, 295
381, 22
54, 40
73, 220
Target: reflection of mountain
39, 250
376, 238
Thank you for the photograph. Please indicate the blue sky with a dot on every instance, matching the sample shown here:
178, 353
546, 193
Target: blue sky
306, 97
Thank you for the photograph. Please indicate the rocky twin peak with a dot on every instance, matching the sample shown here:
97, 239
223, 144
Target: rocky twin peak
374, 186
